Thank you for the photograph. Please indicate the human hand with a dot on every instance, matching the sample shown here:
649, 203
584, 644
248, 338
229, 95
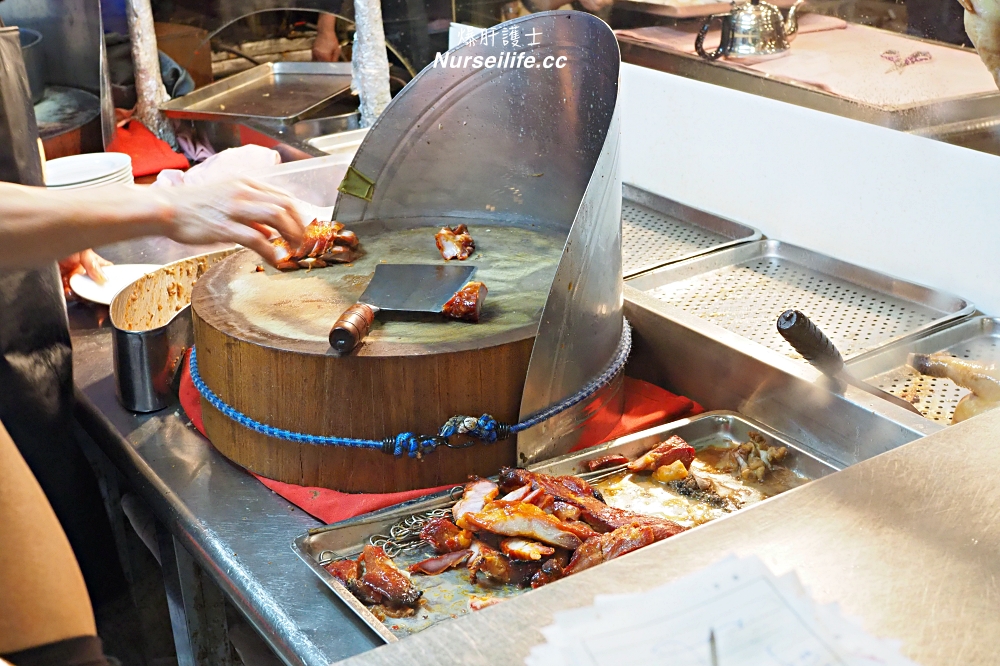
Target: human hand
88, 262
596, 5
326, 48
239, 211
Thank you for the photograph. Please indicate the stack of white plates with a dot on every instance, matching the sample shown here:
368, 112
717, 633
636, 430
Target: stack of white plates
78, 172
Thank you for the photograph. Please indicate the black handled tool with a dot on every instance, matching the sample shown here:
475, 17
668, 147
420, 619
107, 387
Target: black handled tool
800, 332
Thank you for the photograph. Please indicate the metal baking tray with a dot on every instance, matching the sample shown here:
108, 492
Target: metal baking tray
658, 231
280, 93
448, 594
743, 290
976, 339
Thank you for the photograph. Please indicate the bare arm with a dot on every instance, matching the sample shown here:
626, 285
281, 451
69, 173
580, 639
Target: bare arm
43, 597
38, 225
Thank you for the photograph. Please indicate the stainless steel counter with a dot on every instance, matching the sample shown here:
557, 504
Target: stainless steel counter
947, 113
904, 540
236, 529
908, 541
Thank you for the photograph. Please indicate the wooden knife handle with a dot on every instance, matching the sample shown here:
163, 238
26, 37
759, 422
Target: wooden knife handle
352, 327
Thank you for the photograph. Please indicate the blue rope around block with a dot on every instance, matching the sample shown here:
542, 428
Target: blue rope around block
485, 428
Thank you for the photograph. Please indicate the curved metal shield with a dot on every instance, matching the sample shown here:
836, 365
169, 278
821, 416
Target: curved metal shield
518, 126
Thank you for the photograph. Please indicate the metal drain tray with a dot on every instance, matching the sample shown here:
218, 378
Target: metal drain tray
976, 339
658, 231
743, 290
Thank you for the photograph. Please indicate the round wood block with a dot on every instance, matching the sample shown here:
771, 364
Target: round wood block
262, 339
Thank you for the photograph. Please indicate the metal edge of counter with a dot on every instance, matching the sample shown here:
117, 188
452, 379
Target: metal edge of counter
260, 610
924, 117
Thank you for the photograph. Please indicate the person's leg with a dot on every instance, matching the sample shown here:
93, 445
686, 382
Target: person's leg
43, 598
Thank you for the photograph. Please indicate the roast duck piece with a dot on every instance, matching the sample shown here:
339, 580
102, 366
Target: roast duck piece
374, 579
323, 243
455, 243
524, 529
467, 303
982, 380
532, 529
528, 529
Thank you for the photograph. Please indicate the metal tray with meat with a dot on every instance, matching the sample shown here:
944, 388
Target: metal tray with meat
408, 567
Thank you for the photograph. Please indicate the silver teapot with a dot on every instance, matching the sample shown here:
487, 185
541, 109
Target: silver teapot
755, 30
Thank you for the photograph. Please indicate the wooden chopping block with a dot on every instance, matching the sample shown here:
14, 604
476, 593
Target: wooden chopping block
263, 349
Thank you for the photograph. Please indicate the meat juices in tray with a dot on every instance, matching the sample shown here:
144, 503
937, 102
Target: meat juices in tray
528, 528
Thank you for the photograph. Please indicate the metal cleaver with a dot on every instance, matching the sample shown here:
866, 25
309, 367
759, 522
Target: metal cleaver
398, 288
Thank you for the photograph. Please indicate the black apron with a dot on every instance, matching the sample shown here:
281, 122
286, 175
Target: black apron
36, 364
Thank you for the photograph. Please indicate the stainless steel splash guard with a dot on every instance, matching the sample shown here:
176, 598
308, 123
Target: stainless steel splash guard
519, 126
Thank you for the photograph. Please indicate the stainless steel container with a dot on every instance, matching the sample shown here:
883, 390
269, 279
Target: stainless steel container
34, 61
151, 319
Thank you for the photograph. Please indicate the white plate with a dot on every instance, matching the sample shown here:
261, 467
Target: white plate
124, 178
119, 175
119, 277
86, 167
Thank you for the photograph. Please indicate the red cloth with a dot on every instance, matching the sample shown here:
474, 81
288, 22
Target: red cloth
150, 154
646, 406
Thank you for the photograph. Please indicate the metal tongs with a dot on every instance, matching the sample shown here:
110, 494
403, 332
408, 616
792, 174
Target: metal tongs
800, 332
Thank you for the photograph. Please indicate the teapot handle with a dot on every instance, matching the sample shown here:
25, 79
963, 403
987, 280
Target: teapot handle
699, 42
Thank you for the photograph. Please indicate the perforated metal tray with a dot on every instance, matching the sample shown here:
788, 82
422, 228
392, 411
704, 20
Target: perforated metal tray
743, 290
658, 231
976, 339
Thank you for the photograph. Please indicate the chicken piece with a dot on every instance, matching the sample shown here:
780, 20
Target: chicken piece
380, 582
614, 544
517, 548
467, 303
604, 462
552, 569
479, 603
346, 571
673, 449
339, 254
518, 519
323, 243
347, 238
982, 380
517, 495
445, 536
675, 471
432, 566
477, 493
568, 489
565, 511
982, 24
515, 477
455, 243
487, 560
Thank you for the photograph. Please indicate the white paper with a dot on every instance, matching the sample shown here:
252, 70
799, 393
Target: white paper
756, 618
